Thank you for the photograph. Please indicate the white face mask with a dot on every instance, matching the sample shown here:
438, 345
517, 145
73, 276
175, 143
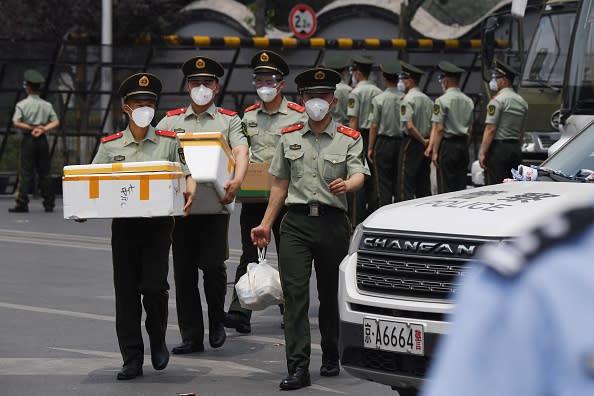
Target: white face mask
443, 86
400, 86
142, 116
353, 80
201, 95
493, 85
267, 94
317, 108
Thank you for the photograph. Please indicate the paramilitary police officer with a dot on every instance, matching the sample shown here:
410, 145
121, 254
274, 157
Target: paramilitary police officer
340, 63
200, 241
364, 201
523, 323
264, 122
314, 166
415, 117
452, 128
140, 246
385, 135
501, 148
35, 117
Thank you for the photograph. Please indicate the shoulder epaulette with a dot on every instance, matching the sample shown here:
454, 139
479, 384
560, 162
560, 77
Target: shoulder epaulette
348, 131
511, 258
175, 112
255, 106
296, 107
226, 111
293, 128
169, 134
114, 136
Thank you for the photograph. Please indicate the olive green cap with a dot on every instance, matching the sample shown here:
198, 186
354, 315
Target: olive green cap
201, 66
391, 66
317, 80
141, 86
410, 71
33, 76
336, 61
449, 69
269, 62
361, 60
502, 69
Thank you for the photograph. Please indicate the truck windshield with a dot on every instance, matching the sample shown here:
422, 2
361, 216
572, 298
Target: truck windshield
545, 63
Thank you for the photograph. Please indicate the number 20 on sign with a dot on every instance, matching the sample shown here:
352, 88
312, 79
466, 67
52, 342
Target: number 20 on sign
302, 21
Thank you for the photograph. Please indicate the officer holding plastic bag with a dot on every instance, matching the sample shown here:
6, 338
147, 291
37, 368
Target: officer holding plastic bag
314, 166
140, 246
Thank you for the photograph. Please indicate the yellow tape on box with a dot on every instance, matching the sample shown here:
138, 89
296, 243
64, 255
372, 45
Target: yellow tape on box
135, 189
211, 163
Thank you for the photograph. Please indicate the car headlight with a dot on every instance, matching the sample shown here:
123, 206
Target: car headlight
356, 239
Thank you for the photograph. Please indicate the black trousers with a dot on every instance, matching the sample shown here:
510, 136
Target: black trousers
250, 217
35, 157
502, 156
364, 201
140, 253
452, 174
387, 152
200, 242
324, 241
414, 169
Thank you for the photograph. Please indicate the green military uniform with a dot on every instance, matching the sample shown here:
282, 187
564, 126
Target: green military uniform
359, 105
34, 155
316, 227
339, 63
263, 130
140, 246
414, 169
507, 110
453, 110
200, 241
385, 112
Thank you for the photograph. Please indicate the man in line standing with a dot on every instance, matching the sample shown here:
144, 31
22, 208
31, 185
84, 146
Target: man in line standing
263, 122
340, 63
415, 116
501, 148
35, 117
451, 133
314, 166
359, 107
385, 135
200, 241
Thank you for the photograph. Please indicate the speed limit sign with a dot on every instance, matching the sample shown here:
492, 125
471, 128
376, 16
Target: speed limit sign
302, 21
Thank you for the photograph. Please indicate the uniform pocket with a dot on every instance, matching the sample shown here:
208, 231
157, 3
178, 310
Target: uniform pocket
295, 158
334, 167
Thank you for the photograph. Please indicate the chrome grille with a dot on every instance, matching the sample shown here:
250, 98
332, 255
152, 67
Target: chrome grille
428, 267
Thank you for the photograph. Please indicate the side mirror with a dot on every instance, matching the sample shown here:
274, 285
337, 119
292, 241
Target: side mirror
556, 119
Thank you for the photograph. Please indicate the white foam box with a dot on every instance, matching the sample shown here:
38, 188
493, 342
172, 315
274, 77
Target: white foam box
129, 189
211, 163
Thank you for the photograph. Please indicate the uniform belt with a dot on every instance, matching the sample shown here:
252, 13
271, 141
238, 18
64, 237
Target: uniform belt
507, 140
457, 137
314, 209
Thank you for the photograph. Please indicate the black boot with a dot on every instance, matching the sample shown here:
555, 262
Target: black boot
299, 379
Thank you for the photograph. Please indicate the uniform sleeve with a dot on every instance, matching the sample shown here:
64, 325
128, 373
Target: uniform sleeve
52, 113
375, 115
353, 104
494, 109
236, 133
439, 112
498, 343
102, 156
18, 113
356, 162
406, 111
177, 155
280, 166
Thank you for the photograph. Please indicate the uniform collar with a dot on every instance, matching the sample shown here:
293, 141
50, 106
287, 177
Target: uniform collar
453, 89
414, 89
392, 89
330, 129
506, 89
283, 108
364, 82
128, 138
211, 111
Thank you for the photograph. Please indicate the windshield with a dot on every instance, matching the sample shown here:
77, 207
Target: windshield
548, 51
577, 154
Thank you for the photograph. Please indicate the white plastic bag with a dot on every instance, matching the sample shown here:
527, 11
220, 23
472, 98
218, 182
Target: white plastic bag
260, 286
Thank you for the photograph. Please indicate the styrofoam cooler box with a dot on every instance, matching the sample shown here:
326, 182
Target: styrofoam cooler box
129, 189
211, 163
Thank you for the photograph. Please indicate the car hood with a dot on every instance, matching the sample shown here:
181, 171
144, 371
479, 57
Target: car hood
500, 210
